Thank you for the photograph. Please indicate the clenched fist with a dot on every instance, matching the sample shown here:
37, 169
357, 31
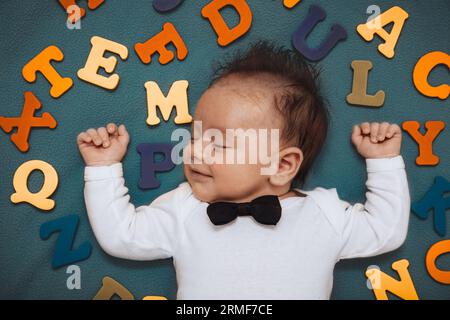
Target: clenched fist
377, 140
103, 146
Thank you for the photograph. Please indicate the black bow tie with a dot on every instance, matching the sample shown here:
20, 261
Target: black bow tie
264, 209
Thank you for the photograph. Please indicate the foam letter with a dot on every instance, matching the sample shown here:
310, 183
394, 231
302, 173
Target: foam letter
225, 35
434, 200
403, 289
426, 156
67, 227
111, 287
158, 44
290, 3
154, 298
40, 198
26, 121
42, 64
92, 4
359, 95
433, 253
96, 60
176, 98
149, 166
73, 18
166, 5
315, 15
367, 30
423, 68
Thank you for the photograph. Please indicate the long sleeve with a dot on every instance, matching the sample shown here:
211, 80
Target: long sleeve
148, 232
380, 224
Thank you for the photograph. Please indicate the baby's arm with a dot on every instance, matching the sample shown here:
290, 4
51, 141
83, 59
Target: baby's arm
143, 233
381, 223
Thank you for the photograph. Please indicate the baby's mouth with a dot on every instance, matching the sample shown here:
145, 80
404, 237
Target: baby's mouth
199, 174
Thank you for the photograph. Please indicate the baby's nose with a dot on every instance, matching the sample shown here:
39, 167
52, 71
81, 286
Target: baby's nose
197, 151
193, 153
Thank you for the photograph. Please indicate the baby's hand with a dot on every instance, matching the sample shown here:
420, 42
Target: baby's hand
377, 140
103, 146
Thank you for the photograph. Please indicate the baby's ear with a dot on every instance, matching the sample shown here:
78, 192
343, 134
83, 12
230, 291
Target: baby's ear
289, 163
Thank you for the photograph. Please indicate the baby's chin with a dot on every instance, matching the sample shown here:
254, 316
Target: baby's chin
202, 187
201, 191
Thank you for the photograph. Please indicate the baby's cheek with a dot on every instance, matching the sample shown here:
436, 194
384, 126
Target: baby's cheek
240, 176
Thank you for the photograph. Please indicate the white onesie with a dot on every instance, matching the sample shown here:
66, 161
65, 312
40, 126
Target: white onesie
244, 259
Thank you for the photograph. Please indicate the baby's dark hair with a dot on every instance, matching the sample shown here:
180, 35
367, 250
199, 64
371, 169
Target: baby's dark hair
306, 118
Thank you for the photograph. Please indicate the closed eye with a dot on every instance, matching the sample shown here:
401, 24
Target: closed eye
220, 146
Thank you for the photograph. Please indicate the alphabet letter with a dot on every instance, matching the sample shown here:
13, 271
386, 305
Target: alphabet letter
434, 200
359, 95
26, 121
96, 60
111, 287
158, 44
403, 288
422, 70
426, 156
74, 281
42, 64
92, 4
166, 5
225, 35
38, 199
396, 15
315, 15
290, 3
176, 98
149, 167
433, 253
67, 227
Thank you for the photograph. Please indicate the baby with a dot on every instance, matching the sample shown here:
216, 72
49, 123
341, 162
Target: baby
233, 232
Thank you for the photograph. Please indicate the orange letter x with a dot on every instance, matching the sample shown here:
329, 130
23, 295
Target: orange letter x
26, 121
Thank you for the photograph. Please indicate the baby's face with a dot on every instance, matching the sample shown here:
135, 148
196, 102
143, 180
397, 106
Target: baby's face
230, 104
